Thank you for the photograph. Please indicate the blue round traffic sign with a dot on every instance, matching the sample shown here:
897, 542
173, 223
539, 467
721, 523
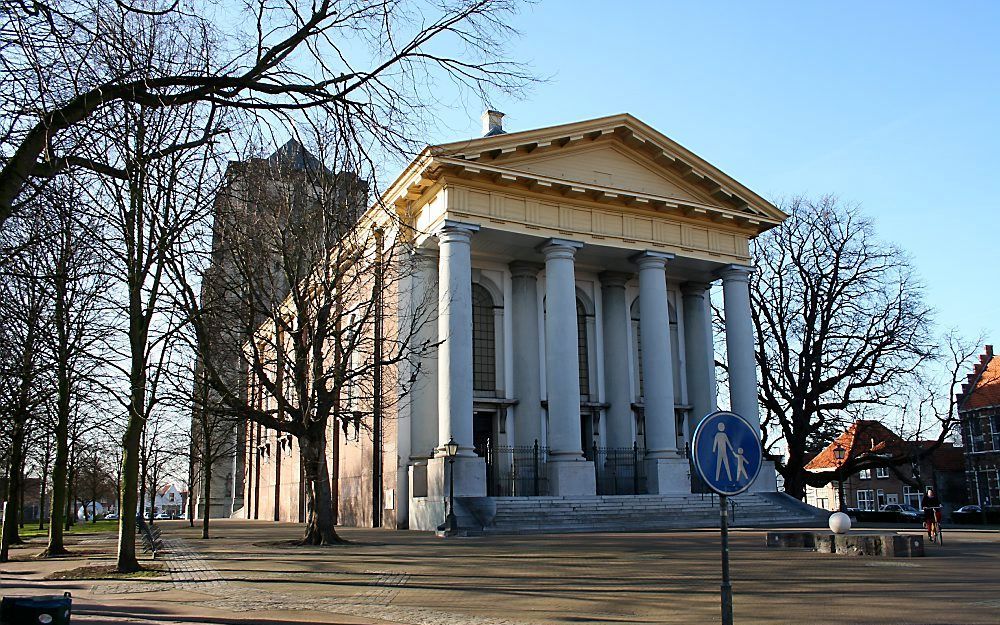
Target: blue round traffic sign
726, 452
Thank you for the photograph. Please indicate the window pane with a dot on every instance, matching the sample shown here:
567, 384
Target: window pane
484, 353
583, 351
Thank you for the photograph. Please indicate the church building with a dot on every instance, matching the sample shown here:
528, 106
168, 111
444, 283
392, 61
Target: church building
571, 268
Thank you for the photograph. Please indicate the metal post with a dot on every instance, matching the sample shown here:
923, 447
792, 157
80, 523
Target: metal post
727, 587
449, 523
840, 494
536, 467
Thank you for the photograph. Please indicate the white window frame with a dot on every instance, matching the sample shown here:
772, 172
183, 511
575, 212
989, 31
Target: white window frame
882, 473
865, 474
868, 501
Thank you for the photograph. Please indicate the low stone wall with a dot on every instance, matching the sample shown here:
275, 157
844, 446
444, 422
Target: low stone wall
887, 545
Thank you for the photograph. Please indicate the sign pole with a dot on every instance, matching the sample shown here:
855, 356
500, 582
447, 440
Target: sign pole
727, 586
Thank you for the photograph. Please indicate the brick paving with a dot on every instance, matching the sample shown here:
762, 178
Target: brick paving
247, 573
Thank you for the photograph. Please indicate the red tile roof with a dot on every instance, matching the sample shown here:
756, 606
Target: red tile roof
863, 437
983, 388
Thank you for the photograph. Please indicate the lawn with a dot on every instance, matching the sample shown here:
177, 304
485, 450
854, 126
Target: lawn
80, 527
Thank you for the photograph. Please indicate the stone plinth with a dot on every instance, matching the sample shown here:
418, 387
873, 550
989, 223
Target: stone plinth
885, 545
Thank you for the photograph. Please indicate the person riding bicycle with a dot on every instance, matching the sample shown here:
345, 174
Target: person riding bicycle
932, 511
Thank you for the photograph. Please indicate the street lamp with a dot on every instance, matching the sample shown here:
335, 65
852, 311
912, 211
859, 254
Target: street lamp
838, 453
451, 450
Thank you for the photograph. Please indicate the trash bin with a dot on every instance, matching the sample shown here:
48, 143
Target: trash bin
47, 609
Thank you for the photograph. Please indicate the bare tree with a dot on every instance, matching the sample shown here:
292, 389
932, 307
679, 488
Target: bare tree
841, 324
314, 277
69, 68
24, 319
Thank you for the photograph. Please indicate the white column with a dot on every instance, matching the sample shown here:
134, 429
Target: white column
700, 350
569, 473
657, 362
455, 334
740, 342
526, 353
617, 359
561, 355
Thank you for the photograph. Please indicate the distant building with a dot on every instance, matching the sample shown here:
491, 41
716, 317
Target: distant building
170, 499
979, 412
870, 489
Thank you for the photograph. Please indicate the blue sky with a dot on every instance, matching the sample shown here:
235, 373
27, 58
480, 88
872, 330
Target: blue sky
893, 105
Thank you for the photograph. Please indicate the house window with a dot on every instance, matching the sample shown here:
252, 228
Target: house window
892, 498
880, 499
865, 474
484, 344
823, 502
912, 497
882, 473
866, 500
170, 497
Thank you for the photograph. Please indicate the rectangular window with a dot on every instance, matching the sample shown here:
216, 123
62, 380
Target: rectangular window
865, 474
866, 500
892, 498
882, 473
912, 497
880, 499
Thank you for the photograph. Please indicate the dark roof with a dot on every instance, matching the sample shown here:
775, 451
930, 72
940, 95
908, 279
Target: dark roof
294, 155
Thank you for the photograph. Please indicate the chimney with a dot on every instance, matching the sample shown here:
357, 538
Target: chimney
492, 123
989, 351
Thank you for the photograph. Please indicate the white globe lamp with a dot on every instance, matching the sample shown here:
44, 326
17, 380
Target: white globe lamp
840, 523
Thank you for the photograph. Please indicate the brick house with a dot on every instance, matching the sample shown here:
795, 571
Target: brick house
979, 412
872, 488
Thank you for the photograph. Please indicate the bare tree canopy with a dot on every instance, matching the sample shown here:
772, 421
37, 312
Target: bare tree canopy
841, 326
69, 65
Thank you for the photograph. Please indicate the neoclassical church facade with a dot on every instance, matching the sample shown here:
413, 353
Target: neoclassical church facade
571, 267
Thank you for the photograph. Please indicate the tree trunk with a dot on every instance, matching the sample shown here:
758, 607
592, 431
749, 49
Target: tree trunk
45, 480
127, 561
70, 494
190, 501
320, 528
206, 476
10, 535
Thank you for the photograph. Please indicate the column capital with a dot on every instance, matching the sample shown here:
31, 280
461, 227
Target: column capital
695, 289
614, 279
560, 248
450, 231
737, 273
524, 269
649, 258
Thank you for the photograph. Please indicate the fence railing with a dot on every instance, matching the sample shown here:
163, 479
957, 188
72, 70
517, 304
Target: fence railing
515, 471
619, 470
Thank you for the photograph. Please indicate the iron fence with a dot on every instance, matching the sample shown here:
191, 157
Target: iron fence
619, 470
515, 471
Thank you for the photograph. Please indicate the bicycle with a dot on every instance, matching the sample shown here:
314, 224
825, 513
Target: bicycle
933, 525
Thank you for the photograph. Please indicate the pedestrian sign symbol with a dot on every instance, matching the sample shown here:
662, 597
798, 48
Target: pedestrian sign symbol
727, 452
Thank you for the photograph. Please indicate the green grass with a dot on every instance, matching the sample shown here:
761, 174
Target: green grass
80, 527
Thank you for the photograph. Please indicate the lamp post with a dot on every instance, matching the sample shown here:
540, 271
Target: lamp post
451, 450
838, 453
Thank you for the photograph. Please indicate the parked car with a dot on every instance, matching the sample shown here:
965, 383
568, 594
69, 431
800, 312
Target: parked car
162, 516
111, 516
904, 512
969, 509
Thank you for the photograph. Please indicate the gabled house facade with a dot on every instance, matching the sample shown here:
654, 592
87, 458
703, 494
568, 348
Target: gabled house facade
979, 413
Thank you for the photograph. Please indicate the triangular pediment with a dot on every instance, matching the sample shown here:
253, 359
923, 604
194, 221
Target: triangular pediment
610, 164
618, 152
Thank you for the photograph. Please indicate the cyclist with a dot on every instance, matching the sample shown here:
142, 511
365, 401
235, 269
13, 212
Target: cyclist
932, 513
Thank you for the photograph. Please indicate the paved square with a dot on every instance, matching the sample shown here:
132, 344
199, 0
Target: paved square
415, 578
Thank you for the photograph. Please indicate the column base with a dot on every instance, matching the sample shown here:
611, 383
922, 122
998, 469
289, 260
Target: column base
668, 476
767, 479
470, 476
572, 478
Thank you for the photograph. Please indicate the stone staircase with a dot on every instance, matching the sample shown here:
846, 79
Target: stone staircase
628, 513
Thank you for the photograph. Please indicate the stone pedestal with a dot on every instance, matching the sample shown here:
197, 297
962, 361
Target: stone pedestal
470, 476
572, 478
767, 479
668, 476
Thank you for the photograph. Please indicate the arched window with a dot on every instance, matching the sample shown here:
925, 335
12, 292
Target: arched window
484, 343
583, 349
